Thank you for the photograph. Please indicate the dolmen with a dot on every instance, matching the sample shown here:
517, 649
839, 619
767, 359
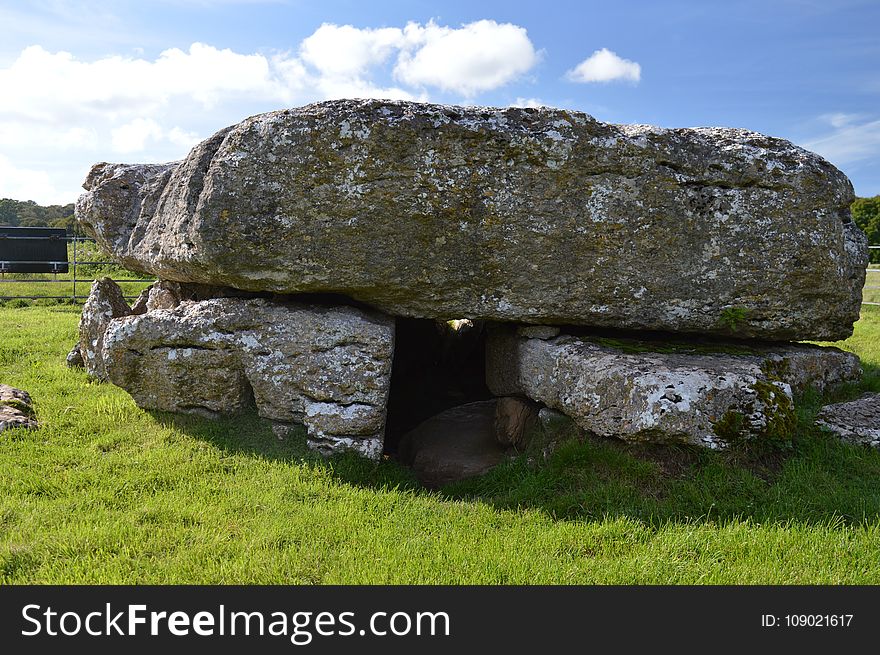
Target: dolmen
651, 284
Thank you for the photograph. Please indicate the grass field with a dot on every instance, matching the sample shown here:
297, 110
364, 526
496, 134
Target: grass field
107, 493
872, 280
61, 286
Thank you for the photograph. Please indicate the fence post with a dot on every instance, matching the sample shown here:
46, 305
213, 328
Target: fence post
75, 258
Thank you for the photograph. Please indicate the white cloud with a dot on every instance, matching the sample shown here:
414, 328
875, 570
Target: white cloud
849, 141
532, 103
24, 183
344, 50
477, 57
59, 113
605, 66
133, 136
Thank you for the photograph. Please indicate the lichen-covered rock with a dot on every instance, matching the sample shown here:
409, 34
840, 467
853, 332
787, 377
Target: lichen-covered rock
139, 306
541, 216
16, 409
703, 394
856, 422
105, 302
326, 367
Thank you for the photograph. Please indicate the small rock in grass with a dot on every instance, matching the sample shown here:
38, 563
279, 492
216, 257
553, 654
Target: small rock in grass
16, 409
856, 422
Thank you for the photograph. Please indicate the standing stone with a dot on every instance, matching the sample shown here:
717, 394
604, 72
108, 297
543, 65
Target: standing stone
326, 367
514, 418
703, 394
105, 302
542, 216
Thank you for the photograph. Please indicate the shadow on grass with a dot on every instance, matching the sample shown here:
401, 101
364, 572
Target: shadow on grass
814, 479
252, 436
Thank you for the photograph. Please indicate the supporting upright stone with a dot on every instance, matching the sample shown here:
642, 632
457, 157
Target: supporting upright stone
105, 302
706, 394
328, 368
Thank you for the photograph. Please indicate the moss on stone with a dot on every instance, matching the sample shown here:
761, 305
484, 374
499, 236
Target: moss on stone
778, 409
731, 426
632, 346
732, 318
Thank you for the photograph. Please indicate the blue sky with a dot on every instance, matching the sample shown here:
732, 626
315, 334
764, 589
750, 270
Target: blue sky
86, 81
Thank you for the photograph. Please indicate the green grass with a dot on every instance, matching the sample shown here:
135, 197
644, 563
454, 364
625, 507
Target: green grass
872, 280
107, 493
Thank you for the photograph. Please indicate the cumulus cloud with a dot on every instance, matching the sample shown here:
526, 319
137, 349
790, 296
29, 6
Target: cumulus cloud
851, 139
26, 183
532, 103
477, 57
157, 108
605, 66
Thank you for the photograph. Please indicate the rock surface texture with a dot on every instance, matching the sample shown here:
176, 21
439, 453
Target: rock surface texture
326, 367
709, 395
542, 216
16, 409
105, 302
455, 444
857, 421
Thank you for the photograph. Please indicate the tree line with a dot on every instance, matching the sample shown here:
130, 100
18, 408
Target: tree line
27, 213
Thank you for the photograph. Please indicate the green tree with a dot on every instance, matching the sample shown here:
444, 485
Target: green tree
866, 214
27, 213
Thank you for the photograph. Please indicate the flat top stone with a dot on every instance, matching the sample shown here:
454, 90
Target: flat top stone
541, 216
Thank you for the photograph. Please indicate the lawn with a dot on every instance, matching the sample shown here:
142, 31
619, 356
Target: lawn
107, 493
59, 289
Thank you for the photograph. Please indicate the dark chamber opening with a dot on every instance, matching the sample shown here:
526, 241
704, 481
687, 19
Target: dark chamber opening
436, 366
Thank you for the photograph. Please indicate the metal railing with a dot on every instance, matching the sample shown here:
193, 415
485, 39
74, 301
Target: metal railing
868, 282
75, 268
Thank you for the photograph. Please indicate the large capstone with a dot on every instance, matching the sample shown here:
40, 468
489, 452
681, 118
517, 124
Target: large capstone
326, 367
543, 216
707, 394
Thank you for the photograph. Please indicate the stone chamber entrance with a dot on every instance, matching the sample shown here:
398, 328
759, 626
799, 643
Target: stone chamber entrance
437, 365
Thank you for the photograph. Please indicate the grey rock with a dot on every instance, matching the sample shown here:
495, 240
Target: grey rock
514, 420
456, 444
16, 409
164, 295
541, 216
703, 394
857, 421
74, 357
538, 331
326, 367
140, 303
105, 302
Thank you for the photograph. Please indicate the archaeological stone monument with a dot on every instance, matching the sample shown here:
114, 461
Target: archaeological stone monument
358, 266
